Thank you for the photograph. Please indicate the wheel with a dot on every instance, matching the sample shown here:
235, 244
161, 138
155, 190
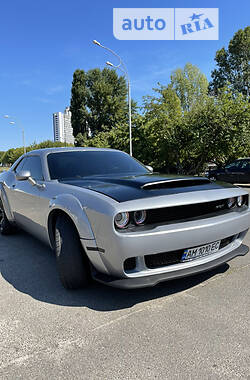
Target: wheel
72, 263
5, 227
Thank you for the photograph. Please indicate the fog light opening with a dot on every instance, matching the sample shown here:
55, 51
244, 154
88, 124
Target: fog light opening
129, 264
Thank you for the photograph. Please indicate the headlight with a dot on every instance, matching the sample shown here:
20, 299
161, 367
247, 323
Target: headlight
122, 219
140, 216
240, 201
231, 202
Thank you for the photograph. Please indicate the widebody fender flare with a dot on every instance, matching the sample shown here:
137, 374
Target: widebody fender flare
70, 205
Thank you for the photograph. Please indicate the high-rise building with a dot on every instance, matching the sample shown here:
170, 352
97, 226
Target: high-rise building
63, 130
58, 124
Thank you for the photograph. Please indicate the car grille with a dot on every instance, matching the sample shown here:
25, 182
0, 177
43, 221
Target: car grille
187, 212
163, 259
174, 257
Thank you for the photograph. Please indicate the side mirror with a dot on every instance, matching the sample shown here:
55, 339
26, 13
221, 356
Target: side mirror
23, 175
149, 168
26, 175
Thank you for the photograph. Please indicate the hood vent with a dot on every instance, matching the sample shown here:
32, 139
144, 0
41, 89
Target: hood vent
173, 183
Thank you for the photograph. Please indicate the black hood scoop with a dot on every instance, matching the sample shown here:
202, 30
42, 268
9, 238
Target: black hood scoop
131, 187
174, 183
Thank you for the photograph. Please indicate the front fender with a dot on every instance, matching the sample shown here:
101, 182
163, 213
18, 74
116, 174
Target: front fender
69, 204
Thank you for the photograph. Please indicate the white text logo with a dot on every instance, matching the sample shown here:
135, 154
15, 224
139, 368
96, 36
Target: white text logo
166, 23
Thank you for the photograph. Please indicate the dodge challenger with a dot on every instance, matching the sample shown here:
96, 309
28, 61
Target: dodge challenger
110, 218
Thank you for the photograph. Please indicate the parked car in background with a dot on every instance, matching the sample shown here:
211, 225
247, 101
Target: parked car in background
209, 166
107, 216
237, 171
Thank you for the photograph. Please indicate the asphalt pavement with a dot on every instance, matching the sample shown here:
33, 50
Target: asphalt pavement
193, 328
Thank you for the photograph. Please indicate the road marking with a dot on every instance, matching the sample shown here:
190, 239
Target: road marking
118, 319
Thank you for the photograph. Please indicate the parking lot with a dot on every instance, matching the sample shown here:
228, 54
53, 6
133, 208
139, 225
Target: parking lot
193, 328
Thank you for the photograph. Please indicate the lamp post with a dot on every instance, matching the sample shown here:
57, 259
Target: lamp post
23, 137
125, 71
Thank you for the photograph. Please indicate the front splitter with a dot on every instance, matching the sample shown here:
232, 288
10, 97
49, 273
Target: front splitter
152, 280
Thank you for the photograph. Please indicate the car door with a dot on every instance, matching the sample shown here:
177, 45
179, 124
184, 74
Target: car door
244, 171
25, 198
231, 172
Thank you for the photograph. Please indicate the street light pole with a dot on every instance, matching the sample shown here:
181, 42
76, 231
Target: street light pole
23, 136
24, 145
125, 71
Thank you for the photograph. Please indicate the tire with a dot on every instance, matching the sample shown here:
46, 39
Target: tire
72, 263
5, 227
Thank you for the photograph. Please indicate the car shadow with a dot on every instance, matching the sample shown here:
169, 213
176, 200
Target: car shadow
30, 267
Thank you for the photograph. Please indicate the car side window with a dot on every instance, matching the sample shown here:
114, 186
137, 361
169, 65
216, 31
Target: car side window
19, 166
33, 164
233, 165
245, 165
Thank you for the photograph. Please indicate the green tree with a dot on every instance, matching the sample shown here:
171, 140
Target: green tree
234, 124
1, 156
190, 85
118, 138
182, 127
78, 104
11, 155
98, 99
217, 130
233, 65
162, 121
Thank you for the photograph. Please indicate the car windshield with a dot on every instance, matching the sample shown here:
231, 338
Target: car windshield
80, 164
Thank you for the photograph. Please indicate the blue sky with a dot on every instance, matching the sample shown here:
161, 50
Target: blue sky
43, 42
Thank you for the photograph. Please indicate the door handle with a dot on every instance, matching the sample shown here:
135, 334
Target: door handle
13, 185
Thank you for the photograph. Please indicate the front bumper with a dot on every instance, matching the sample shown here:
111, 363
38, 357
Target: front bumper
109, 251
188, 269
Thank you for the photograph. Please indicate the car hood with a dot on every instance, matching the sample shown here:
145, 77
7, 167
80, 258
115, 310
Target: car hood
130, 187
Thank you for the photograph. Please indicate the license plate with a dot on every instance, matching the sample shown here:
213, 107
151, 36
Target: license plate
203, 250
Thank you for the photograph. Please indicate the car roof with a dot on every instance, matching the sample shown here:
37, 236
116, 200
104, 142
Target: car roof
240, 159
46, 151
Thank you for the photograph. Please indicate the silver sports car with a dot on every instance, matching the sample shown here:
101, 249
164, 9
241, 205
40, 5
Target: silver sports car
110, 218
